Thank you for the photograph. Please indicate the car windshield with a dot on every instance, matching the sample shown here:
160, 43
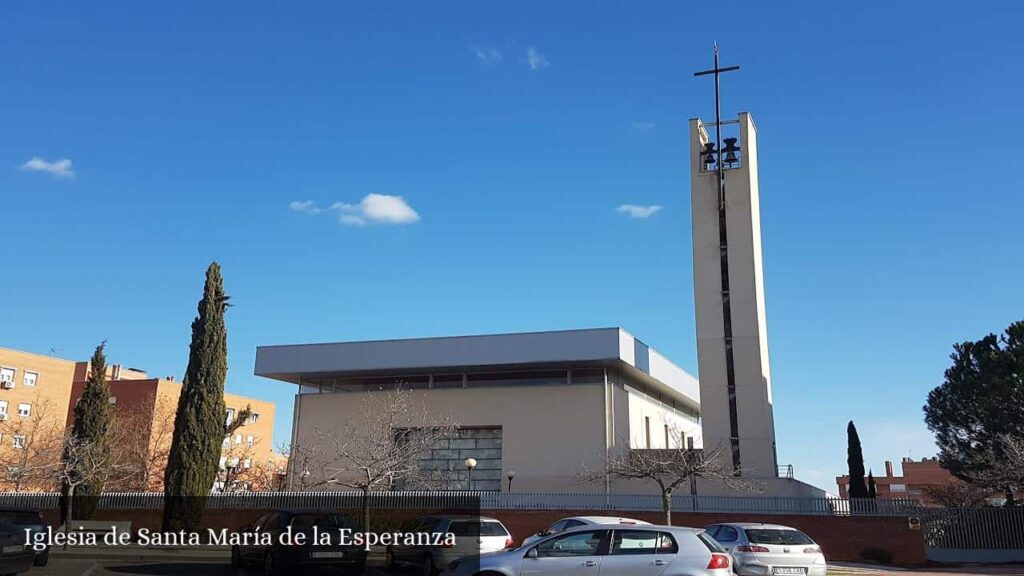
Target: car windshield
20, 517
710, 542
777, 536
470, 528
321, 520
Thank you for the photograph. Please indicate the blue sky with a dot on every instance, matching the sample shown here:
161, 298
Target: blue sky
512, 132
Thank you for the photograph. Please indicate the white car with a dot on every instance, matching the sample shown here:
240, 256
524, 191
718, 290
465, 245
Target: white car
769, 549
614, 549
474, 535
566, 523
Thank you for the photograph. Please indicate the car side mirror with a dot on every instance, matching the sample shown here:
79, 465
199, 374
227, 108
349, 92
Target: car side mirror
532, 553
542, 533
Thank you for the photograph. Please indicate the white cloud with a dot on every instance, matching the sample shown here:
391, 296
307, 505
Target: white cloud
639, 212
304, 207
644, 125
535, 59
488, 54
58, 168
376, 208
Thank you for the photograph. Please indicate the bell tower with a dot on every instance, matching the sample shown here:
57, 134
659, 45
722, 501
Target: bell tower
732, 342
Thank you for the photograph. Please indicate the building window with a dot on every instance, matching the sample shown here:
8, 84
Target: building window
3, 407
113, 400
227, 441
249, 440
247, 463
254, 417
24, 409
18, 441
31, 378
230, 416
897, 487
668, 441
223, 462
647, 432
7, 377
238, 438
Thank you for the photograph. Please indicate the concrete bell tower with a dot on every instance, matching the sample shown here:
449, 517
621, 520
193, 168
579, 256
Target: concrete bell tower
732, 342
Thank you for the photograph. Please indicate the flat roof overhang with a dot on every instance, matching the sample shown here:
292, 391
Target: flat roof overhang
600, 347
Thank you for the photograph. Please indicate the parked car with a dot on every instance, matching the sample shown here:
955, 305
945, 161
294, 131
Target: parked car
625, 549
15, 555
770, 549
277, 558
566, 523
27, 519
474, 535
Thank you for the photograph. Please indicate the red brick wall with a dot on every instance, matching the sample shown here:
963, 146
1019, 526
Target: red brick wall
841, 538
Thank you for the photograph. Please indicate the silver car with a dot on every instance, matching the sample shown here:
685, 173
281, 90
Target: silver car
769, 549
566, 523
474, 535
611, 549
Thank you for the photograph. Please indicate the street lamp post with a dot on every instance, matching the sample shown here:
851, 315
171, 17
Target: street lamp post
470, 464
511, 474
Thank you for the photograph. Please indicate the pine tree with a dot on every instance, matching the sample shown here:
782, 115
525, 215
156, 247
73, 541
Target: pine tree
872, 489
855, 461
91, 424
200, 424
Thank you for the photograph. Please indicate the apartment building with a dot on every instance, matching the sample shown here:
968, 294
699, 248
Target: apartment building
146, 408
38, 394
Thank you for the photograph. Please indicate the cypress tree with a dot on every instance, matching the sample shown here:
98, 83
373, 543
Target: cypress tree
855, 461
92, 421
200, 423
872, 489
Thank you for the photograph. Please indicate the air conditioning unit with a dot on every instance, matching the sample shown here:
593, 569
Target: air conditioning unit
7, 384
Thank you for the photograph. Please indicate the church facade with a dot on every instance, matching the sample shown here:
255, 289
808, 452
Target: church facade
542, 405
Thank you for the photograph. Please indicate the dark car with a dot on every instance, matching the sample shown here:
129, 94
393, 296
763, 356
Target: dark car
15, 555
27, 519
277, 558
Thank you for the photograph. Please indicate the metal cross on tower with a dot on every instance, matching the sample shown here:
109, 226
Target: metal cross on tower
723, 240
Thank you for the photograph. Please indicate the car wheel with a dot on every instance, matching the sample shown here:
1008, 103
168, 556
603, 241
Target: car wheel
236, 558
428, 565
42, 559
269, 565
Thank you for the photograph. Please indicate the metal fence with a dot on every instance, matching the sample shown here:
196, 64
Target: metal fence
499, 501
975, 528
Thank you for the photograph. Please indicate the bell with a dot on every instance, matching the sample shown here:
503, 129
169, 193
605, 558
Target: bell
708, 154
730, 151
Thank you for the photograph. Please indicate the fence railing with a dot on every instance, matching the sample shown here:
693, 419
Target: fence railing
498, 501
976, 528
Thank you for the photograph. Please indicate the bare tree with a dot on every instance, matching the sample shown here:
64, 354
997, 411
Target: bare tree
30, 447
955, 494
383, 446
245, 469
1000, 467
87, 462
670, 468
306, 465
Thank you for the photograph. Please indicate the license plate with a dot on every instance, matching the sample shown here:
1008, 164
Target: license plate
783, 570
13, 549
327, 555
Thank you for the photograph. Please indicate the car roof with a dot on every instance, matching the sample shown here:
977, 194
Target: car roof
607, 519
461, 517
754, 525
637, 527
